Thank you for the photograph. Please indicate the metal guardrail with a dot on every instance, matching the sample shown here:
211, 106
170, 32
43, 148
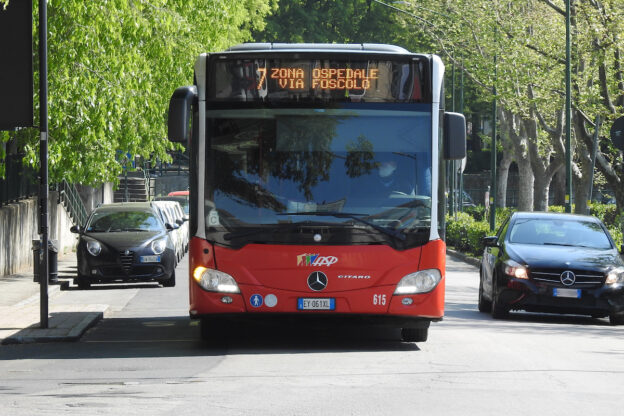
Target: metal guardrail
20, 181
179, 165
68, 196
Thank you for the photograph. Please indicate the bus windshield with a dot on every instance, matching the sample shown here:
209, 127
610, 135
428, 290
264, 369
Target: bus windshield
340, 167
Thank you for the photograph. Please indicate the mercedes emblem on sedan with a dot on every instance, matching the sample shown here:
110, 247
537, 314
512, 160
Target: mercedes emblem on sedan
317, 281
568, 278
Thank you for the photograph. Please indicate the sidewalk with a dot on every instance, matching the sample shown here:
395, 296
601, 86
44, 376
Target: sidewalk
68, 319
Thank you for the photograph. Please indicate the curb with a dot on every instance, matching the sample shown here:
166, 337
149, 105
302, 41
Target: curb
38, 335
463, 257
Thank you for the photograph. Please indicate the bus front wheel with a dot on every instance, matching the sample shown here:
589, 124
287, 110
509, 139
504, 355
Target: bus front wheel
414, 334
212, 330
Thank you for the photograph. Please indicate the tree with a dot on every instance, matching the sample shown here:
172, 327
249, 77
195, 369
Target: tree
112, 68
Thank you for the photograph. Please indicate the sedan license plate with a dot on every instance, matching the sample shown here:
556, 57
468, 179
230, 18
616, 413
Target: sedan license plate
316, 304
150, 259
566, 293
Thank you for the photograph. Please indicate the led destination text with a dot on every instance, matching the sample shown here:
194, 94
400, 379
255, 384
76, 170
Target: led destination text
323, 78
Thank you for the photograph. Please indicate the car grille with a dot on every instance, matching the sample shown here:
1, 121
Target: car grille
584, 278
126, 260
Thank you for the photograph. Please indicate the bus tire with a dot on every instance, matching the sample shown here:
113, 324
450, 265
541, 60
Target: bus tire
414, 334
212, 331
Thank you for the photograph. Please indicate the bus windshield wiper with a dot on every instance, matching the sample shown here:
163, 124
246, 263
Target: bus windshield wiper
353, 216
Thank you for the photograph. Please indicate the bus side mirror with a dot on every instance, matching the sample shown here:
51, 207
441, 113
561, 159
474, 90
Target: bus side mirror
180, 113
454, 136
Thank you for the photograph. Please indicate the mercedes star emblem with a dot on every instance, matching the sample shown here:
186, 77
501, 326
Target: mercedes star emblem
317, 281
568, 278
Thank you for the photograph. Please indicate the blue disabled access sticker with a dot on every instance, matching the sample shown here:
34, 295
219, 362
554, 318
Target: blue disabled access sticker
256, 300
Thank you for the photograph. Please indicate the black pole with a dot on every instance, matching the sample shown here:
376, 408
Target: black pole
451, 163
461, 110
43, 160
568, 116
493, 154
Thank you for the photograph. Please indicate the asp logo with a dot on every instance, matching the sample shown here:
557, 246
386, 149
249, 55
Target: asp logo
315, 260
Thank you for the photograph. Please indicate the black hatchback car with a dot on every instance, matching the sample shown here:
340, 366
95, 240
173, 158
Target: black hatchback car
557, 263
125, 242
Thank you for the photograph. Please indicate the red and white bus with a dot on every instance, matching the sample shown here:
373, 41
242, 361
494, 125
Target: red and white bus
316, 184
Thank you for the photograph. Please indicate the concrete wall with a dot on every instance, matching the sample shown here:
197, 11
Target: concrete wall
92, 197
19, 226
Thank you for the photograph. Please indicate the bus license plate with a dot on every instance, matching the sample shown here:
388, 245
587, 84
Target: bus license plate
316, 304
150, 259
567, 293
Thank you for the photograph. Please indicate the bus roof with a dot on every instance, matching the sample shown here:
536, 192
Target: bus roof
319, 47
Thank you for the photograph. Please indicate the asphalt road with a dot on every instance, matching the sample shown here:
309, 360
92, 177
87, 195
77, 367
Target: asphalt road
146, 359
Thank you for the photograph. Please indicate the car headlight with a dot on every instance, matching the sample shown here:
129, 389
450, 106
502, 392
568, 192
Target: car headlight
515, 269
159, 246
215, 281
94, 247
615, 276
420, 282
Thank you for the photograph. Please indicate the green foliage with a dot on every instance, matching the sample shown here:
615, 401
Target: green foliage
330, 21
465, 233
113, 66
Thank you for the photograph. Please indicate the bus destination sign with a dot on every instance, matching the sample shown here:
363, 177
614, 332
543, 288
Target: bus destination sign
324, 78
275, 79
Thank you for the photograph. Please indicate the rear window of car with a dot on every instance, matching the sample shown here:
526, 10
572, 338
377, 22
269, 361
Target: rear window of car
558, 232
115, 221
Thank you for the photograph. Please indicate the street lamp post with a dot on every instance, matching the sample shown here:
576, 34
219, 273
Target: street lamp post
568, 116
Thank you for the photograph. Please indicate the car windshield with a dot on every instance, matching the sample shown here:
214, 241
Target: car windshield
284, 166
115, 221
575, 233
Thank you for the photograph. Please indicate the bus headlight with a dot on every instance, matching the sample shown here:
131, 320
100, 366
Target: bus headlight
420, 282
215, 281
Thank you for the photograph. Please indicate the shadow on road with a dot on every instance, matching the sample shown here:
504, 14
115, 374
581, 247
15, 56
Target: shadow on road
180, 337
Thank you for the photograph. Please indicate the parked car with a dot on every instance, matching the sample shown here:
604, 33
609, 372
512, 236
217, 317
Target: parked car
179, 193
548, 262
125, 242
171, 213
182, 200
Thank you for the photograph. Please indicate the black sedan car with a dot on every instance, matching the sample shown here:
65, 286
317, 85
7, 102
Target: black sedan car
556, 263
125, 242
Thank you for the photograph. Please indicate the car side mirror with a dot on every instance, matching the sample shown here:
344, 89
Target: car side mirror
75, 229
179, 222
168, 226
490, 241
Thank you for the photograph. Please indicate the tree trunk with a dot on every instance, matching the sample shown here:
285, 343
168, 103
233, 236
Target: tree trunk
503, 171
517, 135
559, 188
